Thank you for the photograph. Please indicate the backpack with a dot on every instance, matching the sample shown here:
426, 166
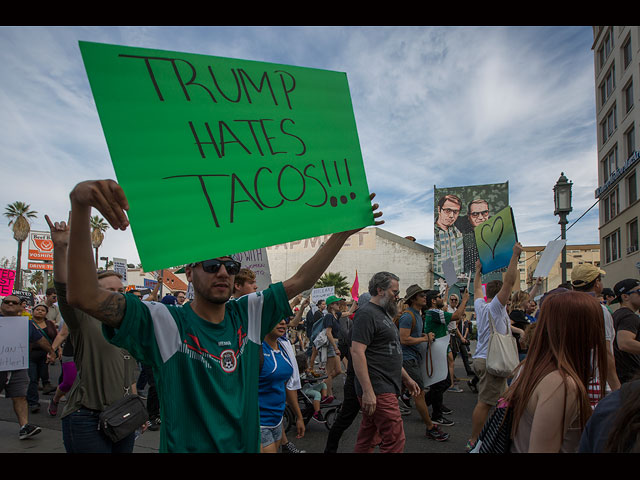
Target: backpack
413, 323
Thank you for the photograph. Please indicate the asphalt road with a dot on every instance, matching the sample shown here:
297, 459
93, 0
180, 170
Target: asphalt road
50, 440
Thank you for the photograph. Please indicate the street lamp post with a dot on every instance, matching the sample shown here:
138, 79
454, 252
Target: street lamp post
562, 197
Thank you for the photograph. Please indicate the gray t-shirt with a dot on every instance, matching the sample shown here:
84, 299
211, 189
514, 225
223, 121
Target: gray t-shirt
411, 352
375, 329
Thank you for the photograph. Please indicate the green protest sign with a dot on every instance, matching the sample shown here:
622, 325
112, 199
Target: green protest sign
219, 155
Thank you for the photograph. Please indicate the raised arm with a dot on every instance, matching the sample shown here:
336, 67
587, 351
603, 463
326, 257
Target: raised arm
511, 276
309, 273
83, 290
459, 313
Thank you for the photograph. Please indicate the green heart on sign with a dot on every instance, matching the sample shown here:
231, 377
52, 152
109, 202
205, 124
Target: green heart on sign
491, 234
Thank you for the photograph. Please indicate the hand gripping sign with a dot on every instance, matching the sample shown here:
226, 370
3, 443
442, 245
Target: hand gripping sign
244, 154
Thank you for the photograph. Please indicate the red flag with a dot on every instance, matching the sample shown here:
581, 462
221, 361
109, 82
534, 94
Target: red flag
355, 287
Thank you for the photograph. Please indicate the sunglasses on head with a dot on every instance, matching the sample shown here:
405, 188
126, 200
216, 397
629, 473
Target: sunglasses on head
212, 266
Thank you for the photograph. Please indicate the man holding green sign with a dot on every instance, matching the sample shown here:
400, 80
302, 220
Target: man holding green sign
204, 355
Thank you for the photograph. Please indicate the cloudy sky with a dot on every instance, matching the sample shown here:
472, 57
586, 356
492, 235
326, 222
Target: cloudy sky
444, 106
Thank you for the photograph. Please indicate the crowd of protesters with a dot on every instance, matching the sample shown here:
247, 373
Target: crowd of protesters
219, 369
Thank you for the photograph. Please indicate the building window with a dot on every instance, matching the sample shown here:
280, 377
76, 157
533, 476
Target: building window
607, 47
610, 163
628, 96
630, 140
608, 85
611, 205
612, 247
626, 53
609, 124
632, 236
632, 188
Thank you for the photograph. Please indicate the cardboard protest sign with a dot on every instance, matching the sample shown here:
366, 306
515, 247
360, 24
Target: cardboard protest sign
449, 271
258, 262
120, 266
548, 258
322, 293
244, 153
495, 239
7, 279
14, 343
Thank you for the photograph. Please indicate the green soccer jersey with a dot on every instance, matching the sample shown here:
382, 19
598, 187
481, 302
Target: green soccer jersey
436, 321
206, 374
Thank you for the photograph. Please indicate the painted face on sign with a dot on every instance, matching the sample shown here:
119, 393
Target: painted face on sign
478, 213
448, 214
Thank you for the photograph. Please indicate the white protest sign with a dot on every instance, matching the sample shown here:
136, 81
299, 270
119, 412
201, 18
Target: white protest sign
258, 263
14, 343
436, 363
120, 266
322, 293
548, 258
449, 271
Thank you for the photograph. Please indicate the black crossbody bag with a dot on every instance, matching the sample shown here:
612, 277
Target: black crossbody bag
125, 416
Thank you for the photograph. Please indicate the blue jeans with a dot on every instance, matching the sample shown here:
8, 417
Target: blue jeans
80, 434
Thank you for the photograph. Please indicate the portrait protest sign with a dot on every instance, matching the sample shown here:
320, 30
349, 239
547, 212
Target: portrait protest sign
242, 152
7, 279
495, 239
457, 211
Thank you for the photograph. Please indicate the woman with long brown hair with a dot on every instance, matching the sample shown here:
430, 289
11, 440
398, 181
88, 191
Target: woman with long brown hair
549, 393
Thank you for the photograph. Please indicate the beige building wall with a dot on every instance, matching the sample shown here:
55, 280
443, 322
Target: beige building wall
617, 80
369, 251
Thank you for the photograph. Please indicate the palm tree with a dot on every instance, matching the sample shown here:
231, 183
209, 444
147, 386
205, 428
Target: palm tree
336, 280
98, 227
19, 214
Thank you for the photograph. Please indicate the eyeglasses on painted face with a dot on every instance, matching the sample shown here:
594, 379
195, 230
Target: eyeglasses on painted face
450, 211
484, 213
213, 266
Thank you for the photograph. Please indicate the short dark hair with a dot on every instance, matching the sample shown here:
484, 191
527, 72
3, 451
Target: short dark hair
50, 291
586, 287
493, 287
453, 198
431, 296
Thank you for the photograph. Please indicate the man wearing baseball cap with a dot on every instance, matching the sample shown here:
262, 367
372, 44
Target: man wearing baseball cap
627, 324
588, 278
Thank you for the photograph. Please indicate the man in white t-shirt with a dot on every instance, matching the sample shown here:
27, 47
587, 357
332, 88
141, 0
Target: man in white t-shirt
498, 293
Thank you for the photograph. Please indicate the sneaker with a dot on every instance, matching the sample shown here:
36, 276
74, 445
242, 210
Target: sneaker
445, 422
29, 431
455, 388
318, 417
328, 399
472, 386
469, 446
446, 410
289, 447
35, 408
437, 434
405, 400
48, 388
154, 424
404, 410
53, 408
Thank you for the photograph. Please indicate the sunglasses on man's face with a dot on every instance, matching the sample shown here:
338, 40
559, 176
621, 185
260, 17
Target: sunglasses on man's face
212, 266
10, 302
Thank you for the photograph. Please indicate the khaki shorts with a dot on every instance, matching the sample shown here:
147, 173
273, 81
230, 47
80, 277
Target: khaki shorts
490, 387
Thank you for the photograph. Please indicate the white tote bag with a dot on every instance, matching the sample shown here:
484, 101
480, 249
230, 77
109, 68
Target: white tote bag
502, 354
